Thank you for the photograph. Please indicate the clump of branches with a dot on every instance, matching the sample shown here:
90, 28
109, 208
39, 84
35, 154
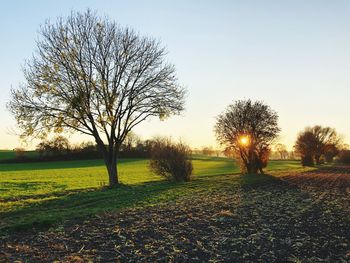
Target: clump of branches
171, 160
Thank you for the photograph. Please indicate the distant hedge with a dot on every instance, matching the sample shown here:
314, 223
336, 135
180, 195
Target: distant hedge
59, 149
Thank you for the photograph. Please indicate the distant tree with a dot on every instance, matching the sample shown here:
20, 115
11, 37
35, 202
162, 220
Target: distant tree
92, 76
306, 147
86, 147
291, 155
326, 138
344, 156
207, 150
281, 149
247, 129
131, 140
315, 142
59, 145
171, 160
330, 151
228, 152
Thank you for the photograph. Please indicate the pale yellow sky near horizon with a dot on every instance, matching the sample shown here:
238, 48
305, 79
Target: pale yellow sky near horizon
293, 55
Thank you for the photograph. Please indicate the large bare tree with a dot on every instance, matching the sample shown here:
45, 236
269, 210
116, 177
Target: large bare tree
92, 76
247, 129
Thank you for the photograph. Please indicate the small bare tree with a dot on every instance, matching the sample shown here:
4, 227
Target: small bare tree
247, 129
92, 76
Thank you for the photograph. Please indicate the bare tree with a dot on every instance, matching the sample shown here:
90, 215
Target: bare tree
247, 129
305, 147
326, 137
207, 150
317, 141
92, 76
130, 141
281, 149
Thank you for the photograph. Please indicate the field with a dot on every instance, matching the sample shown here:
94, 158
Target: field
291, 214
44, 193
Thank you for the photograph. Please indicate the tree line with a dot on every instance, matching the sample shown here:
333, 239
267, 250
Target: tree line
59, 148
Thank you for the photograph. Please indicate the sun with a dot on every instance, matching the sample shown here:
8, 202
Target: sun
244, 140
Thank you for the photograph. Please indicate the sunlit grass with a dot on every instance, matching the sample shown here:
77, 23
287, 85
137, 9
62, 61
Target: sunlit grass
45, 193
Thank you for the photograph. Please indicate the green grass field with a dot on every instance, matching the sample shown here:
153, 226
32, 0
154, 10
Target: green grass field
41, 194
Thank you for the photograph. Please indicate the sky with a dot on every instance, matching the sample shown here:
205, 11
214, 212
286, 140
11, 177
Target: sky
293, 55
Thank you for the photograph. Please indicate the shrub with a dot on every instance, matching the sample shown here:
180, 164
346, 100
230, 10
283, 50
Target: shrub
171, 160
307, 160
344, 157
262, 159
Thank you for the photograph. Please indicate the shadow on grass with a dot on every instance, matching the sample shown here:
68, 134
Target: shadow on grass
28, 188
44, 213
254, 179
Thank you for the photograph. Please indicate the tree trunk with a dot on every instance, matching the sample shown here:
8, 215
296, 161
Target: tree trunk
110, 157
113, 172
251, 167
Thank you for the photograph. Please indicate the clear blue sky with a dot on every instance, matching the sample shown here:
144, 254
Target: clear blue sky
294, 55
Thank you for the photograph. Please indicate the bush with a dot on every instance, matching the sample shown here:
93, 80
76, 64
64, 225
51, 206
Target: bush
262, 159
344, 157
19, 153
307, 160
171, 160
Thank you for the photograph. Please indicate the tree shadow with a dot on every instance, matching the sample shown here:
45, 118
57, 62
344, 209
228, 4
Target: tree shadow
59, 207
28, 189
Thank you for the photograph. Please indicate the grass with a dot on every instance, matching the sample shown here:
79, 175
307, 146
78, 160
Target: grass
41, 194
